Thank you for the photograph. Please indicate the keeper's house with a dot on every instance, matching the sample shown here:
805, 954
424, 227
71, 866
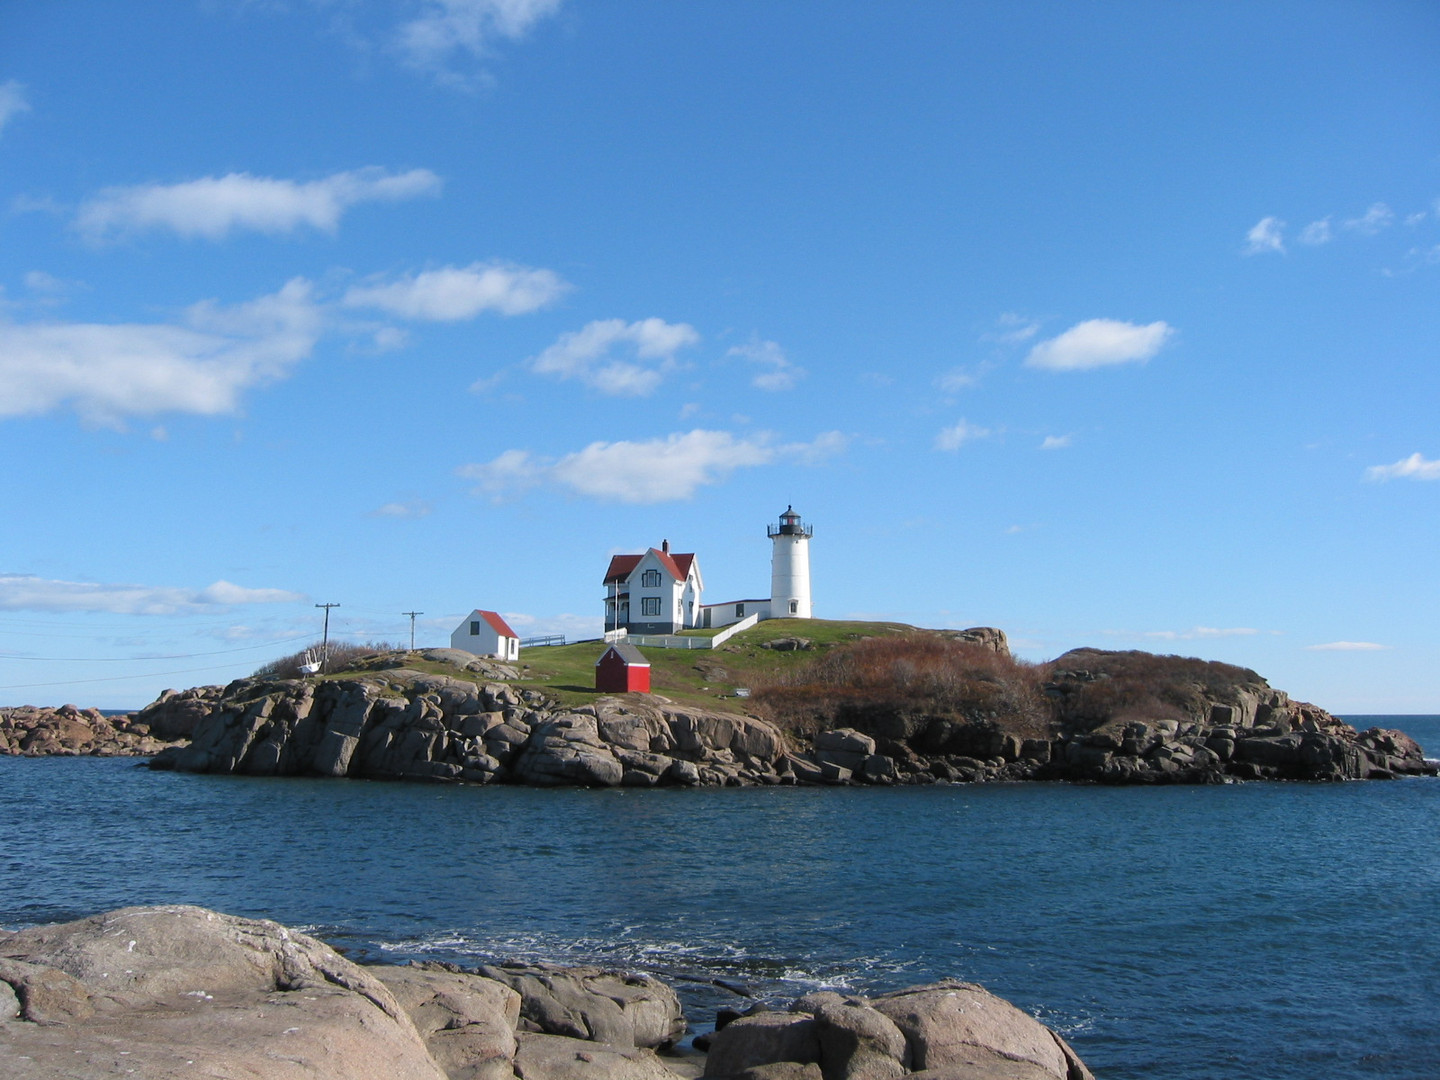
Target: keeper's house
485, 633
654, 593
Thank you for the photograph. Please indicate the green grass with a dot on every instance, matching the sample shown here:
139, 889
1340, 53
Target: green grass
696, 676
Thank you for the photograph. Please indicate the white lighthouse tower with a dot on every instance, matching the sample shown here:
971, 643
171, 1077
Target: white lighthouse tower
790, 567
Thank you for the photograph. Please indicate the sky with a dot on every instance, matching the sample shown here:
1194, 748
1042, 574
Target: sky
1109, 325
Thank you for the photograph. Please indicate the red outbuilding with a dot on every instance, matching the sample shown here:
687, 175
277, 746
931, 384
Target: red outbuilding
622, 669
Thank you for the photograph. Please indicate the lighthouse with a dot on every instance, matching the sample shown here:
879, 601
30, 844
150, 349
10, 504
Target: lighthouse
790, 567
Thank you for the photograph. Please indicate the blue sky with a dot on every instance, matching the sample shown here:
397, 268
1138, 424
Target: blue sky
1106, 324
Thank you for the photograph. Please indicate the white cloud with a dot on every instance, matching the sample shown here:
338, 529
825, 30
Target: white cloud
958, 434
586, 354
213, 206
1347, 646
1012, 329
12, 102
415, 508
20, 592
1100, 343
1317, 232
781, 374
106, 372
451, 293
1414, 467
955, 380
653, 471
1416, 218
1265, 236
1057, 442
446, 28
1375, 219
1200, 632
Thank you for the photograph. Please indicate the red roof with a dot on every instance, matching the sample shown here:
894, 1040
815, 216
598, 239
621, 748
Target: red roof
622, 566
499, 625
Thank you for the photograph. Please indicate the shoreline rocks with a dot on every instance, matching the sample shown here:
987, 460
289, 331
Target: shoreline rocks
174, 991
1115, 718
30, 731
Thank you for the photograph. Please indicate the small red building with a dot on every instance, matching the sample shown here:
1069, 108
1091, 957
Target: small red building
622, 669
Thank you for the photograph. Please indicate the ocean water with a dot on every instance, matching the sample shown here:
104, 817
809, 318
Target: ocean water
1255, 930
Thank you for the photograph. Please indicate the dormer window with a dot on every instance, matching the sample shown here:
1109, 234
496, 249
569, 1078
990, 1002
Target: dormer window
650, 579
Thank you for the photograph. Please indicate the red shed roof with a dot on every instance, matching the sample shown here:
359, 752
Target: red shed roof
499, 625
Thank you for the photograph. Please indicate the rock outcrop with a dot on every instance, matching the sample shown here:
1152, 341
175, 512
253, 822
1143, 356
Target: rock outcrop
71, 731
1114, 718
178, 991
181, 991
401, 724
943, 1031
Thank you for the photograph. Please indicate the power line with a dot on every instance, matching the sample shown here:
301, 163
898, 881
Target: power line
111, 678
143, 659
412, 615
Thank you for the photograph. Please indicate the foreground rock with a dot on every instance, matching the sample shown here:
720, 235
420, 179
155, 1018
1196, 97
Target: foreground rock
181, 991
170, 992
944, 1031
71, 731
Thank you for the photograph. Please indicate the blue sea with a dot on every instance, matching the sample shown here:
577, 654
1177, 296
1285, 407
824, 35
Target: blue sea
1256, 930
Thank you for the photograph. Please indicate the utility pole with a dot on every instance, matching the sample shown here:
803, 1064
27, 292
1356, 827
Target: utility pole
412, 615
325, 638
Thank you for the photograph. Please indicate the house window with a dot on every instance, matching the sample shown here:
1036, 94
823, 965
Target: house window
794, 607
650, 580
474, 628
739, 610
650, 605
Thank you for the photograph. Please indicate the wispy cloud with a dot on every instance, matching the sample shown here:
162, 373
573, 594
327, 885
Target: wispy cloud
1347, 646
1057, 442
652, 471
588, 355
1376, 219
106, 372
214, 206
451, 293
13, 102
1414, 467
958, 434
1100, 343
1193, 634
447, 31
19, 592
956, 380
1266, 235
1317, 233
414, 508
777, 371
1012, 329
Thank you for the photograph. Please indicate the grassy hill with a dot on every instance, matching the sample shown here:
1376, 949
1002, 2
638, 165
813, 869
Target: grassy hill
698, 676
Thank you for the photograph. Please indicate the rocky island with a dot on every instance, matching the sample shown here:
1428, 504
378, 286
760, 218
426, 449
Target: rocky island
875, 704
179, 991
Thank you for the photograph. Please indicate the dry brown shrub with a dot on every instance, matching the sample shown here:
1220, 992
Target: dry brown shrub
1096, 686
341, 653
911, 674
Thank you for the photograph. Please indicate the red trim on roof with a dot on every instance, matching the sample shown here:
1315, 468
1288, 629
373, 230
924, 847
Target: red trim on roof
499, 625
622, 566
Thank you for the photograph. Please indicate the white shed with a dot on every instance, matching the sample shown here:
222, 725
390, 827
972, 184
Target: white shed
485, 633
